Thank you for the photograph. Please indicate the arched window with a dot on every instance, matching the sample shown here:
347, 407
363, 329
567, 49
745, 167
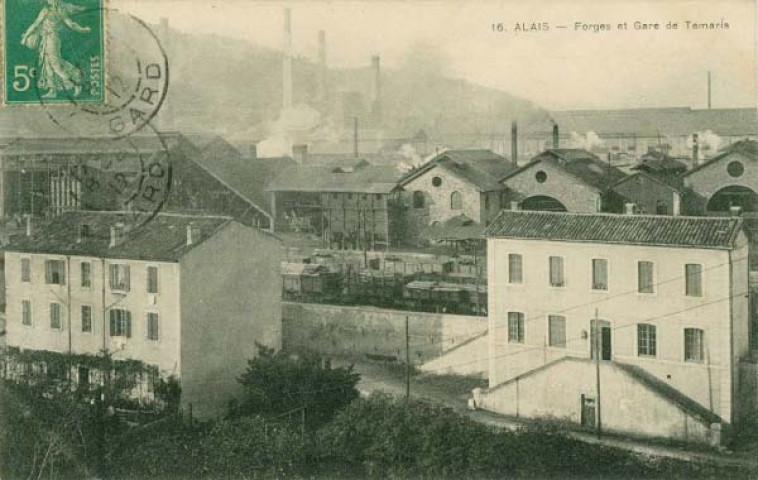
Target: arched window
456, 202
418, 199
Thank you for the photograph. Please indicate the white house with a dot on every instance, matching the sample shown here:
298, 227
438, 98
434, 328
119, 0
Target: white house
190, 295
669, 296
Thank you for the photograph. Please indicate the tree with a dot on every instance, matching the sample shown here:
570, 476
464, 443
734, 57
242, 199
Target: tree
276, 383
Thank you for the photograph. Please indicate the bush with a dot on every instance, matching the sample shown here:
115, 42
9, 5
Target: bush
276, 383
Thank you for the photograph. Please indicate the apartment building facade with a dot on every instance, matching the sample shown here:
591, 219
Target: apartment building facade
662, 300
190, 295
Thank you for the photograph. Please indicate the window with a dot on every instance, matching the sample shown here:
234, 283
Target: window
540, 176
661, 208
693, 280
486, 201
86, 318
556, 272
418, 199
599, 274
645, 272
152, 279
515, 327
735, 169
119, 277
86, 274
436, 181
55, 272
515, 268
55, 315
26, 273
121, 323
456, 201
646, 340
693, 345
26, 312
152, 326
556, 325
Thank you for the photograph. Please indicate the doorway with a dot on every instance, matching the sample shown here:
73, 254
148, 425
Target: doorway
606, 342
588, 416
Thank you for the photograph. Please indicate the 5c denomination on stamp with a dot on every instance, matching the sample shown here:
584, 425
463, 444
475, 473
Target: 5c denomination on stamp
54, 51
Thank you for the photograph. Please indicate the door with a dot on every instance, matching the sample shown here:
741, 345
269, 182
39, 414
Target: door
588, 411
606, 341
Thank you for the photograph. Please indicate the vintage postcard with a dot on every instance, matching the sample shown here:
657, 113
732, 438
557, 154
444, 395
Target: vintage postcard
378, 239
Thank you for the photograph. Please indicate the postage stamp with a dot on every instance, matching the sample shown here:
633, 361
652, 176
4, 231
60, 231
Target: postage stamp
54, 51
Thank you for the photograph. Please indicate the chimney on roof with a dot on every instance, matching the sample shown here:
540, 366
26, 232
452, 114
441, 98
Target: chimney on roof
514, 142
253, 151
735, 211
556, 136
695, 150
190, 234
629, 208
376, 89
300, 153
28, 225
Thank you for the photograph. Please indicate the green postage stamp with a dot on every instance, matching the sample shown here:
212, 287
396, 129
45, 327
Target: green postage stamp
54, 51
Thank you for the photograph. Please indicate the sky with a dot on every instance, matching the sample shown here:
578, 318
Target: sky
558, 68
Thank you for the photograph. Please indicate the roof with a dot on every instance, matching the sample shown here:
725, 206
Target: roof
654, 162
362, 178
652, 178
162, 238
459, 227
583, 165
90, 145
651, 122
653, 230
747, 149
482, 168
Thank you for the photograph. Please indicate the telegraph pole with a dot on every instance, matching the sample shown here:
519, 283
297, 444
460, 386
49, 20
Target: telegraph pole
407, 362
598, 421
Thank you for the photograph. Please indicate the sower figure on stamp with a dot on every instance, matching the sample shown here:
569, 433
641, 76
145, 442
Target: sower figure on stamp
44, 35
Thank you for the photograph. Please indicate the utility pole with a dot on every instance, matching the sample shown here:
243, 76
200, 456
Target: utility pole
407, 362
598, 421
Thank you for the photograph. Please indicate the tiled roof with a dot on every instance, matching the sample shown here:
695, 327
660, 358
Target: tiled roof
362, 178
659, 163
647, 176
654, 230
162, 238
581, 164
481, 168
652, 122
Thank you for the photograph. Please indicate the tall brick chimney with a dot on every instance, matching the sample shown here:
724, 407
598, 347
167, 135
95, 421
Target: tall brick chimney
514, 142
556, 136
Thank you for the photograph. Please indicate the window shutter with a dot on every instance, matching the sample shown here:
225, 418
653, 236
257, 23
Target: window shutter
599, 274
126, 277
557, 331
62, 267
48, 272
515, 270
112, 275
556, 271
112, 314
128, 321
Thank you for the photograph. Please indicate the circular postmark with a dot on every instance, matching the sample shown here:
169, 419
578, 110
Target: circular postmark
133, 73
129, 176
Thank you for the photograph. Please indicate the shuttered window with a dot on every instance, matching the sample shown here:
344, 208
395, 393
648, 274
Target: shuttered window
152, 326
26, 273
26, 312
645, 275
599, 274
693, 345
557, 331
646, 340
55, 272
152, 279
694, 280
86, 268
515, 268
515, 327
120, 323
556, 272
119, 277
55, 315
86, 318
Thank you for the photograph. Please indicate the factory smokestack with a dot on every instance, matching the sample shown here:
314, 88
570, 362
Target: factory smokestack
376, 89
695, 150
514, 142
287, 61
321, 67
556, 136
